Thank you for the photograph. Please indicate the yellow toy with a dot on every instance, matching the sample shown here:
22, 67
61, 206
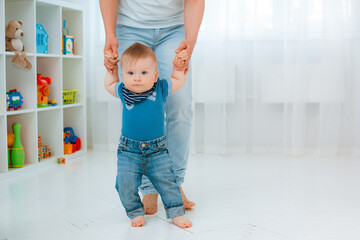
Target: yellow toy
10, 140
43, 90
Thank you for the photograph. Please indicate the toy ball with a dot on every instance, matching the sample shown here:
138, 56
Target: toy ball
53, 102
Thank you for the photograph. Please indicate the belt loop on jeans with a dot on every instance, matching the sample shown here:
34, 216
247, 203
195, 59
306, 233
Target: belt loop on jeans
157, 142
125, 141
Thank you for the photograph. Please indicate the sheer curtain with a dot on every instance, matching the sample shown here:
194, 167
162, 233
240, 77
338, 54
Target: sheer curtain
104, 111
278, 76
269, 77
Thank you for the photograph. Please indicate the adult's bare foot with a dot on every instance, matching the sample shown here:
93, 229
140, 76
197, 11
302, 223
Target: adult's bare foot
138, 221
182, 222
187, 203
150, 203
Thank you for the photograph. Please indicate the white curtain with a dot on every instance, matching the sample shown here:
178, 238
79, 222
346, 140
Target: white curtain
104, 111
269, 77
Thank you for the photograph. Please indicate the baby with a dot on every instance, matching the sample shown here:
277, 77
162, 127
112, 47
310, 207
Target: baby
142, 149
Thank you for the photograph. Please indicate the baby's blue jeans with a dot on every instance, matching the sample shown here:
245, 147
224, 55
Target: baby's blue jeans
164, 42
150, 158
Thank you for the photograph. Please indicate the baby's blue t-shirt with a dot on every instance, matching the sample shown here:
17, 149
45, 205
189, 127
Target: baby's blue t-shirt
145, 120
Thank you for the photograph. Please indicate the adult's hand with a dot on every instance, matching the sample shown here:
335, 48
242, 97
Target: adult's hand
111, 45
189, 47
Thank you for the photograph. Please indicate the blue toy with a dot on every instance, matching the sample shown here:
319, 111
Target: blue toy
69, 137
42, 39
14, 99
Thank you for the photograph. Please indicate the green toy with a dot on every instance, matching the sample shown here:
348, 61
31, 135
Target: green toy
17, 151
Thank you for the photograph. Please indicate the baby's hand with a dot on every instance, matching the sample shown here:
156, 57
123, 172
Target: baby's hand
109, 55
181, 58
180, 61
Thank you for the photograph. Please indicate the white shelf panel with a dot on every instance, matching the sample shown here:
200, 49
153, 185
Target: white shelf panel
18, 0
75, 154
73, 105
72, 56
2, 85
43, 55
47, 2
20, 111
50, 108
3, 145
29, 54
13, 172
2, 26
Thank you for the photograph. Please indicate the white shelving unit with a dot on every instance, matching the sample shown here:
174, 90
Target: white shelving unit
66, 72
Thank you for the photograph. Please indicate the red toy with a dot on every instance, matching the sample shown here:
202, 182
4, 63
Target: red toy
43, 90
72, 143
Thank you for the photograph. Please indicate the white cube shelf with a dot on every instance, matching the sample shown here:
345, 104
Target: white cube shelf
49, 16
2, 85
2, 26
50, 129
74, 23
27, 132
23, 11
66, 72
74, 117
3, 145
70, 75
51, 67
22, 81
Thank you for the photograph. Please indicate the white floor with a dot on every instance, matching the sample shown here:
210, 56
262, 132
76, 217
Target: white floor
238, 197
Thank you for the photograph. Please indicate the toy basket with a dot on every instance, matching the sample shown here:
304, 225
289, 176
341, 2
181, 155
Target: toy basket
69, 96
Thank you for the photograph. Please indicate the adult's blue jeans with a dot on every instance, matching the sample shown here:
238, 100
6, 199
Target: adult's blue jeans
164, 42
150, 158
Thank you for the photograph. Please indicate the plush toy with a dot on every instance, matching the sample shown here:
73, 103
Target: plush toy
13, 35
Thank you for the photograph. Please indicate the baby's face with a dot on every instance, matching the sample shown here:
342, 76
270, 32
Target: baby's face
139, 76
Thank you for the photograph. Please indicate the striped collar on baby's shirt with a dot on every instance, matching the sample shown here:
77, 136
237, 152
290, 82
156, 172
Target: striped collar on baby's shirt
131, 98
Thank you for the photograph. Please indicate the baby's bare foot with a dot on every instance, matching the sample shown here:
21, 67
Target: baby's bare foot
187, 203
138, 221
150, 203
182, 222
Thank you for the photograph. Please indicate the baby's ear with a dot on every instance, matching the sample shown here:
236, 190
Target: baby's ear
156, 75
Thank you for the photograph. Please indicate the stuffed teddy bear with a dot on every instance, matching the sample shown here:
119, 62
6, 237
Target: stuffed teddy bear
13, 35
